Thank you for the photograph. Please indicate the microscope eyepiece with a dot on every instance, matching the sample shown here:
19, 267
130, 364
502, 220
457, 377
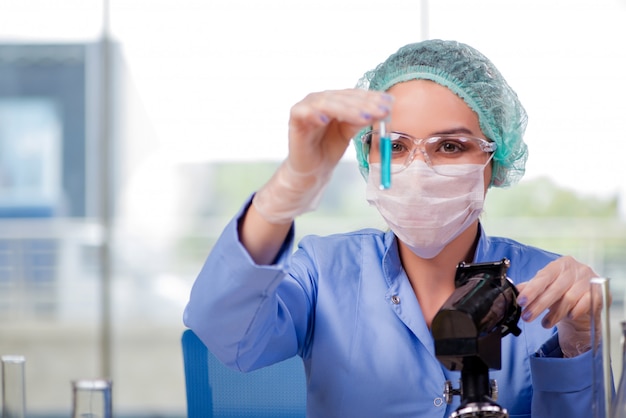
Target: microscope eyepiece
481, 311
468, 330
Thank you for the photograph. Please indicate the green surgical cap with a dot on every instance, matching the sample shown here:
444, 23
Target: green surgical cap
472, 77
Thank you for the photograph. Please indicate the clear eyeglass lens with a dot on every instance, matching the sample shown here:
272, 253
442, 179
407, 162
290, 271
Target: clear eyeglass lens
436, 151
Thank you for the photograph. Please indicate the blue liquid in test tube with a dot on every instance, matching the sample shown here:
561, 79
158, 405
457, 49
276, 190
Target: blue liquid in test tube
385, 157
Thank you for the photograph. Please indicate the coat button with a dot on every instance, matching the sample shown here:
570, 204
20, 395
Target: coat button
395, 299
438, 402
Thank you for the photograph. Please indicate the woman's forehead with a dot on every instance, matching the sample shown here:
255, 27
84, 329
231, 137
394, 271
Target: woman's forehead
424, 108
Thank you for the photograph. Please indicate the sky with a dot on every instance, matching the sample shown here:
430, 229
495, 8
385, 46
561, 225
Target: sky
214, 80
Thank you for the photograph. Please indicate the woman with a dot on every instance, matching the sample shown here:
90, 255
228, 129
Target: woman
357, 307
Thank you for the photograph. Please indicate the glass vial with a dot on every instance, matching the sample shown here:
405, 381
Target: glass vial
92, 398
13, 389
618, 409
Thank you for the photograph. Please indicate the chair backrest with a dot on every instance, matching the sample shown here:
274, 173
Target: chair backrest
214, 390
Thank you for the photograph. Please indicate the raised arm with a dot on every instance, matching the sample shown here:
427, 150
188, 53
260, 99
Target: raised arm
320, 129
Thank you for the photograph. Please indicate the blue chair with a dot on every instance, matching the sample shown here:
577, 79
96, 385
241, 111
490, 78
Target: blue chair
214, 390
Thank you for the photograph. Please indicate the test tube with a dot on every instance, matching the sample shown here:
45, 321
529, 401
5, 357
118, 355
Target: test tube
13, 390
385, 156
600, 346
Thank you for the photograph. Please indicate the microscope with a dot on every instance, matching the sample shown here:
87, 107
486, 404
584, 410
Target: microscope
468, 330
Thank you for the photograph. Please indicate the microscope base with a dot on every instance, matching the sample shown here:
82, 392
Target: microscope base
480, 410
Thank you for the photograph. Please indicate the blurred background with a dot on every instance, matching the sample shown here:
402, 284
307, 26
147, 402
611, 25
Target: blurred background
132, 130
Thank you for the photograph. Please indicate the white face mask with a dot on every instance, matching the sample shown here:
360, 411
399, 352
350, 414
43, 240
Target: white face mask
427, 210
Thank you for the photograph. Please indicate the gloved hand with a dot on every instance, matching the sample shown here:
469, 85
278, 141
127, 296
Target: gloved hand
320, 129
562, 287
